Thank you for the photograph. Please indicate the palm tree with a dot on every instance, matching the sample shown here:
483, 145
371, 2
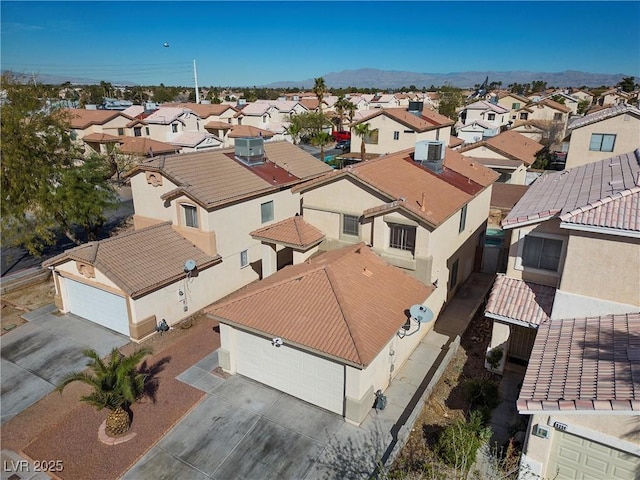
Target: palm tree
321, 139
116, 383
319, 88
343, 106
363, 130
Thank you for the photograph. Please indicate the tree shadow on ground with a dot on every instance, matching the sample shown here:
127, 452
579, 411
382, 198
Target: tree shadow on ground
152, 382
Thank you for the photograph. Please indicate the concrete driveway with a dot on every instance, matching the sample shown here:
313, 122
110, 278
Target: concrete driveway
36, 355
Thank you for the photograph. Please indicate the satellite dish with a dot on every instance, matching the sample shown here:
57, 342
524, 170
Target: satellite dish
189, 265
165, 45
421, 313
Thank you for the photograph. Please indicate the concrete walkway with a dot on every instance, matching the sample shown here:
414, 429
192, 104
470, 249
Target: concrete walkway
244, 429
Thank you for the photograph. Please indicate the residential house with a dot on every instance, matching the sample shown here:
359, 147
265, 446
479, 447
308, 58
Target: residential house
509, 153
195, 141
582, 96
395, 129
430, 223
485, 111
476, 131
546, 110
604, 133
383, 100
512, 102
565, 99
165, 124
570, 230
100, 127
331, 331
612, 97
581, 391
270, 115
194, 214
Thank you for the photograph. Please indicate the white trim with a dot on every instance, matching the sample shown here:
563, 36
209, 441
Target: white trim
528, 222
596, 436
510, 320
604, 230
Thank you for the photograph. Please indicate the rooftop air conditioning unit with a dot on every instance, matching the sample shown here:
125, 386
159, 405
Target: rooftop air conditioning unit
416, 107
250, 150
430, 154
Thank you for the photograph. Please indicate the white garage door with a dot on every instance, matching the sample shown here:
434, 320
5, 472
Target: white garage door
305, 376
101, 307
577, 458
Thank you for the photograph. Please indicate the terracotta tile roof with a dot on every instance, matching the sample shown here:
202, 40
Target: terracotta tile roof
506, 195
253, 109
214, 177
145, 146
455, 141
81, 118
520, 302
133, 111
397, 176
166, 115
294, 232
100, 138
141, 261
584, 364
515, 145
331, 304
241, 131
309, 103
193, 139
495, 162
621, 213
218, 125
603, 114
484, 105
425, 122
555, 105
573, 190
514, 95
203, 110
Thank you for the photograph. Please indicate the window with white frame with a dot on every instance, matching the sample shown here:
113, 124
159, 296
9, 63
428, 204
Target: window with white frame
244, 258
351, 225
557, 117
524, 115
402, 237
137, 131
266, 212
463, 218
515, 106
147, 131
120, 131
396, 135
372, 137
602, 142
190, 216
491, 116
174, 127
542, 253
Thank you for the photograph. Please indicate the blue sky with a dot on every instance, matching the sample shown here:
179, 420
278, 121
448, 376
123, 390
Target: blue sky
244, 43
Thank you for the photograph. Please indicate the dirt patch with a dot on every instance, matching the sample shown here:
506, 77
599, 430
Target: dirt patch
26, 299
448, 401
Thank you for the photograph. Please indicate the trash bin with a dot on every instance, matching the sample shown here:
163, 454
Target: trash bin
381, 400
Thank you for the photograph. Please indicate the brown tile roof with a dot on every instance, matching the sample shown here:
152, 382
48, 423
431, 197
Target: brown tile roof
309, 103
203, 110
603, 114
141, 261
398, 177
145, 146
555, 105
561, 193
496, 162
214, 177
100, 138
428, 120
294, 232
241, 131
584, 364
621, 213
514, 95
218, 125
515, 146
332, 304
455, 141
520, 302
506, 195
81, 118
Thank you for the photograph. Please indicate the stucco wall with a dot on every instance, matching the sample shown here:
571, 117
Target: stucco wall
627, 139
146, 197
602, 266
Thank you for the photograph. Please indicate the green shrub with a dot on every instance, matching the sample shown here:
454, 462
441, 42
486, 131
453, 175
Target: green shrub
482, 396
458, 444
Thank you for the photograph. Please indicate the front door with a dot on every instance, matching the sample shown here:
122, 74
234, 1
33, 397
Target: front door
521, 342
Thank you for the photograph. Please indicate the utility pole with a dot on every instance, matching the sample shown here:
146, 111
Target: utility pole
195, 76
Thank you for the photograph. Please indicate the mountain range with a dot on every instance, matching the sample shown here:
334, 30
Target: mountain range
388, 79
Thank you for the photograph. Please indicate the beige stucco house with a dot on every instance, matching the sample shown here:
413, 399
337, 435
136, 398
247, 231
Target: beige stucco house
565, 239
395, 129
492, 113
602, 134
508, 153
513, 102
204, 207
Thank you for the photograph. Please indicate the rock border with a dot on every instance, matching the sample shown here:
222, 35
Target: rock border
107, 440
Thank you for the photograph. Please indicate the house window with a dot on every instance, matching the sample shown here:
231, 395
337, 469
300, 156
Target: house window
372, 137
515, 106
244, 258
190, 216
463, 219
396, 135
147, 131
174, 128
491, 116
239, 120
602, 142
264, 119
524, 115
541, 253
350, 225
453, 275
402, 237
266, 212
121, 131
137, 131
229, 121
